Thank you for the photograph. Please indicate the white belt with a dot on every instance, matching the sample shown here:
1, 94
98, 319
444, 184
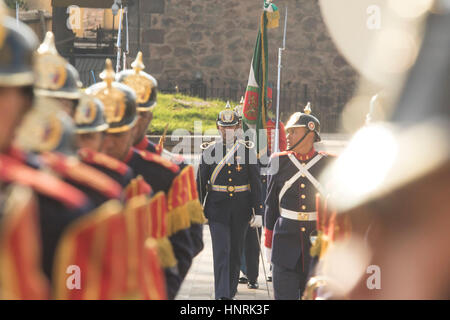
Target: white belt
299, 216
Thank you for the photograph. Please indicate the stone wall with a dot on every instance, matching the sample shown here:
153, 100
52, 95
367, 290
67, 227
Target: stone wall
180, 38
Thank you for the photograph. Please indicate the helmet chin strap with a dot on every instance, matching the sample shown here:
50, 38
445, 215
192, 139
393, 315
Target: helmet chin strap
299, 141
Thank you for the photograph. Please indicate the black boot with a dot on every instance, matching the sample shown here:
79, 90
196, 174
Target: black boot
253, 285
243, 279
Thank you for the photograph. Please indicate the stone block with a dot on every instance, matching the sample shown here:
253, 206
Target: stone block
153, 6
153, 36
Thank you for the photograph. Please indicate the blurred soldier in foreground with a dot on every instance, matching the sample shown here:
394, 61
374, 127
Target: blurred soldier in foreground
229, 184
290, 218
396, 191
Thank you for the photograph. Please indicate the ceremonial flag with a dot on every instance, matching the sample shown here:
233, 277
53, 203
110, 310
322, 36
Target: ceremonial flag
255, 104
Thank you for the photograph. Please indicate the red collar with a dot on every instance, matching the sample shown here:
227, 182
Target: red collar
129, 155
143, 144
307, 156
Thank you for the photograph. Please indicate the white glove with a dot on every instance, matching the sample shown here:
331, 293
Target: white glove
256, 222
268, 252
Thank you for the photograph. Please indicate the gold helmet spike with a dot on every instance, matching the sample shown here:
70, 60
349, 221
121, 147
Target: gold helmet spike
138, 65
48, 45
308, 108
108, 75
242, 101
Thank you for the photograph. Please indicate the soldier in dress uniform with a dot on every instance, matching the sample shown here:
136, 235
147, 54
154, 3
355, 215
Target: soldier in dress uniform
160, 174
91, 128
230, 188
290, 217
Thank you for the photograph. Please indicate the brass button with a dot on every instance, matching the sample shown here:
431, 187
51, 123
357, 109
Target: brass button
230, 188
261, 206
303, 164
229, 164
303, 175
303, 229
303, 196
229, 172
230, 179
231, 194
303, 207
303, 186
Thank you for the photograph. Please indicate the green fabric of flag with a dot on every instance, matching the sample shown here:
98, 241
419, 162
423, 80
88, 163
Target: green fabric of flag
255, 103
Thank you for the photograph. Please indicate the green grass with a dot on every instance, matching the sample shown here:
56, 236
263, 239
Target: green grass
180, 112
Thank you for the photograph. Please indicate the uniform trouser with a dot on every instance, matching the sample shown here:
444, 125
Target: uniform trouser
227, 244
250, 256
288, 284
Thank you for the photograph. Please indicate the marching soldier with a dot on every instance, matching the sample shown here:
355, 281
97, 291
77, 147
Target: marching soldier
230, 188
290, 217
146, 89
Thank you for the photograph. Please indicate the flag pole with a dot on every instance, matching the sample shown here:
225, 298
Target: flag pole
119, 41
127, 44
280, 53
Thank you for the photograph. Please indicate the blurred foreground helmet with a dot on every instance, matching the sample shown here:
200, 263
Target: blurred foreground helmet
17, 46
47, 128
227, 117
144, 85
306, 120
56, 77
119, 101
90, 116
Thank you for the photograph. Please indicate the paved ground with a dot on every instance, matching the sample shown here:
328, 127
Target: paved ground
199, 283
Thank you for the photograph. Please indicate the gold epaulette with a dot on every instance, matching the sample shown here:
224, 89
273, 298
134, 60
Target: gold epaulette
247, 144
148, 219
177, 199
137, 187
206, 145
193, 204
96, 247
